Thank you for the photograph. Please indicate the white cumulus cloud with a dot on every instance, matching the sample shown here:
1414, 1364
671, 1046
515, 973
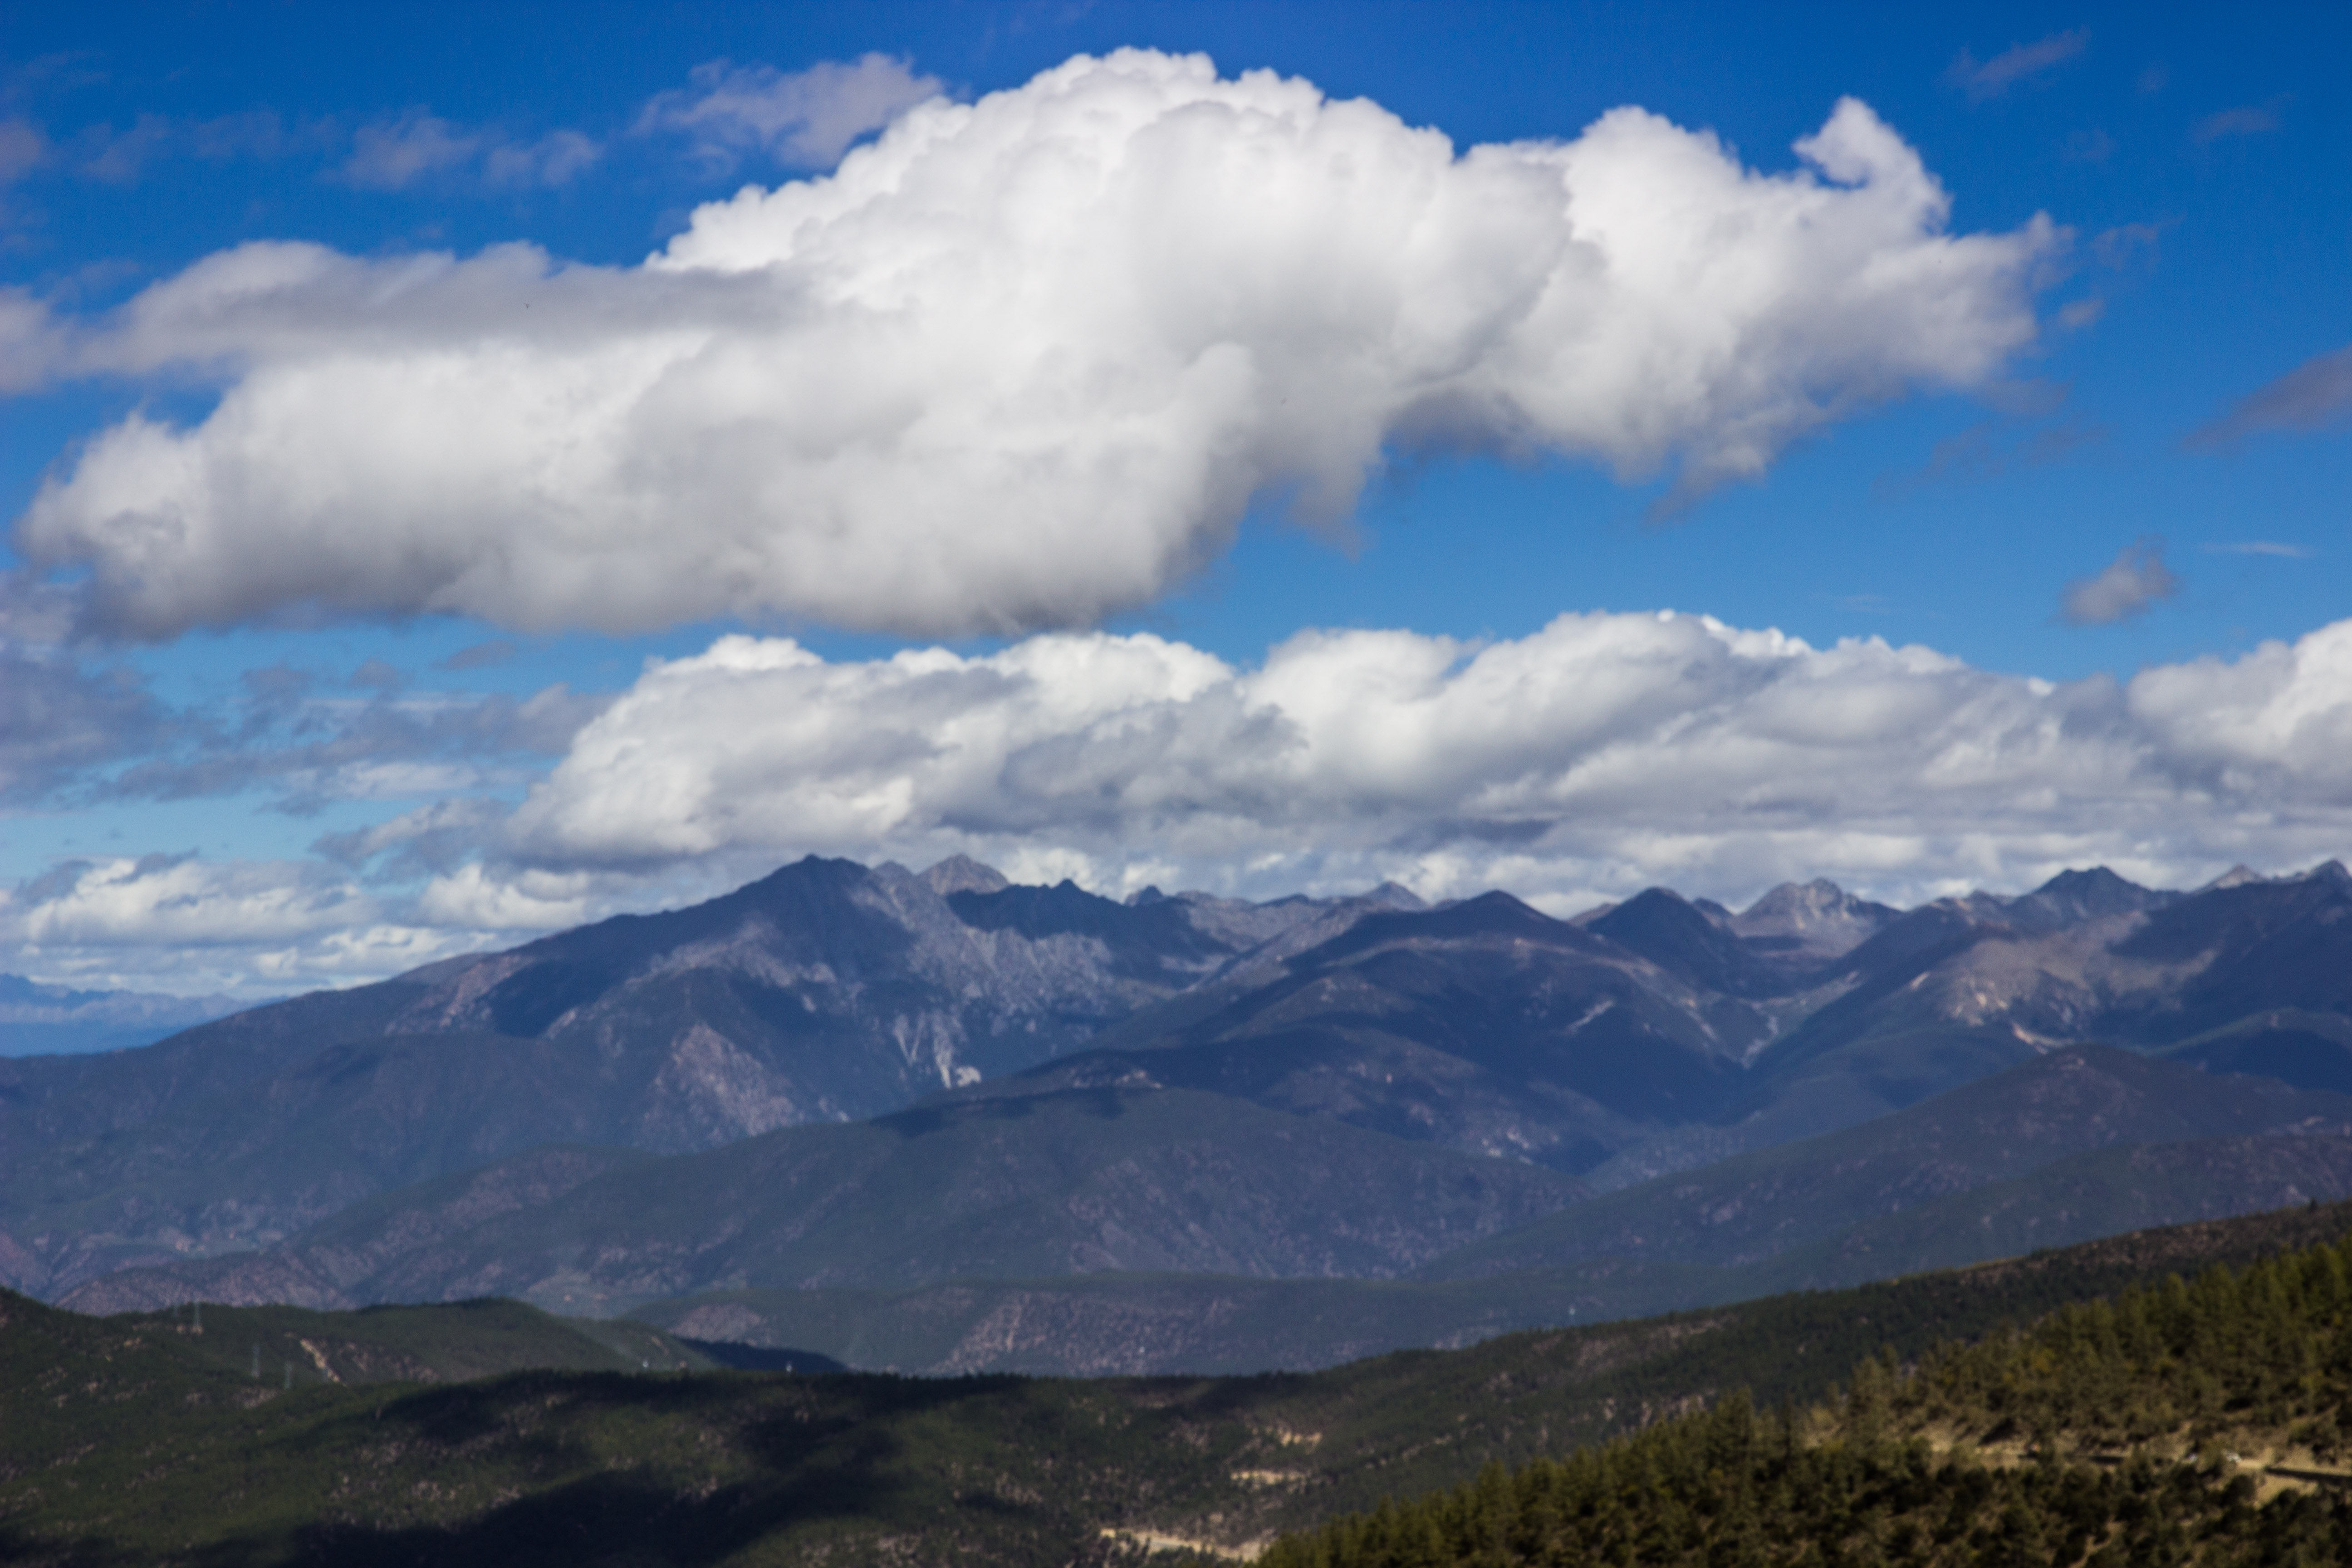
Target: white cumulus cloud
1015, 365
1600, 754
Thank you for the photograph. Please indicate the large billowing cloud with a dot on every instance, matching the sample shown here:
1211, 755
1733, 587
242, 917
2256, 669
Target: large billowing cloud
1601, 754
1014, 364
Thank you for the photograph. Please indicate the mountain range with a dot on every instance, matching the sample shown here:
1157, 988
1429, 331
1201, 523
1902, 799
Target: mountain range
843, 1080
1172, 1236
51, 1020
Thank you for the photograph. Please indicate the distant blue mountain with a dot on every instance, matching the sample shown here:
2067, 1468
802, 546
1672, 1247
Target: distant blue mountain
36, 1019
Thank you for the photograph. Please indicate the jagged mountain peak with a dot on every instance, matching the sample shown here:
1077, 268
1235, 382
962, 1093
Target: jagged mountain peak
2244, 876
1395, 896
1799, 900
1816, 920
2096, 882
2071, 897
962, 873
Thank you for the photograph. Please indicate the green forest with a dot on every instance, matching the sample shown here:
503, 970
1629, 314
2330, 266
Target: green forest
2190, 1423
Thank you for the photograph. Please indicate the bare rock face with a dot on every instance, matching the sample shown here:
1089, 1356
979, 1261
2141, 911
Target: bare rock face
1816, 920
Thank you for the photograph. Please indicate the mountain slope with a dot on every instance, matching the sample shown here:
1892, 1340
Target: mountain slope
2092, 958
1068, 1182
1484, 1026
2191, 1423
1759, 1204
824, 992
1095, 1325
1651, 1037
1078, 1186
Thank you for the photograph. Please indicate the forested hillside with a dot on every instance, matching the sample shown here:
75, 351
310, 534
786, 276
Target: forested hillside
2203, 1422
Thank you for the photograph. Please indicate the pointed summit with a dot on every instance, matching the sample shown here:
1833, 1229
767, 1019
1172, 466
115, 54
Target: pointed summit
1817, 919
2071, 897
1798, 904
962, 873
1395, 896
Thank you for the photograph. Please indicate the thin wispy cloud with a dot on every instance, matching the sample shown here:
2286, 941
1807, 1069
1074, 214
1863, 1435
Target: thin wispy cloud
1989, 448
392, 154
2132, 582
59, 722
114, 155
2314, 395
480, 655
2260, 547
22, 148
2126, 243
1982, 80
555, 159
2091, 147
2246, 119
805, 119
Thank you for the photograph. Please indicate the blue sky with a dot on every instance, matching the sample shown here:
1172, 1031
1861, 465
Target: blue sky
2150, 425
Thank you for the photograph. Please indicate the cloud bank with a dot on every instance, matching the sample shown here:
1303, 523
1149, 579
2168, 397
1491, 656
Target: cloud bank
1016, 365
1601, 754
1604, 753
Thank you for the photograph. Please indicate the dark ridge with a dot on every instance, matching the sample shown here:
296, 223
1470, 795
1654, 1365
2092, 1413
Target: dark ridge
760, 1358
1678, 938
2298, 1057
1143, 937
1488, 914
